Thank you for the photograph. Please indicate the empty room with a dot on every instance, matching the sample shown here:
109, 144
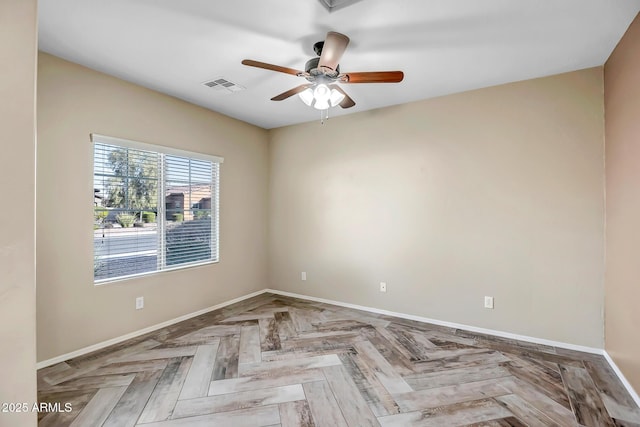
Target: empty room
320, 213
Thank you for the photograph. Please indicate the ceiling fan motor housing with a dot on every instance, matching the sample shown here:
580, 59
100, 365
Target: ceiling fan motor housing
312, 68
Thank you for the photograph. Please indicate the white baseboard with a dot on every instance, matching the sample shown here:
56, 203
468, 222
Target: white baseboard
469, 328
622, 378
137, 333
103, 344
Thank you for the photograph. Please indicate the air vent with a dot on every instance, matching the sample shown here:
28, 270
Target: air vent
333, 5
221, 84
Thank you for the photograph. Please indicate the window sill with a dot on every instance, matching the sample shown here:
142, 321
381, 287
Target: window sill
108, 281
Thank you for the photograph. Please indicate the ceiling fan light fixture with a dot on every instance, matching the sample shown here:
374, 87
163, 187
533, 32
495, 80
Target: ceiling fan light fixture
322, 93
336, 97
321, 104
321, 97
307, 96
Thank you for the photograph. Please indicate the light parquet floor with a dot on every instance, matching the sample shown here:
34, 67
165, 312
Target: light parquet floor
279, 361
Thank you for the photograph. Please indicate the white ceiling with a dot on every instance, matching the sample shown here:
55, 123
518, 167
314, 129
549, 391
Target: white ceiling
443, 46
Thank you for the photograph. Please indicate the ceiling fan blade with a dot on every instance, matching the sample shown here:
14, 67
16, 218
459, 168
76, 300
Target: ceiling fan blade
334, 46
373, 77
347, 102
272, 67
290, 92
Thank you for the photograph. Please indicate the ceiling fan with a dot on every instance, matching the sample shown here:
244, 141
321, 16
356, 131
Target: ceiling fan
323, 75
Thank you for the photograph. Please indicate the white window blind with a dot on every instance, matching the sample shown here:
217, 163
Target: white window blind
155, 208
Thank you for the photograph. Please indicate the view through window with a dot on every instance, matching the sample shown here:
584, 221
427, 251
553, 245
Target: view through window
153, 209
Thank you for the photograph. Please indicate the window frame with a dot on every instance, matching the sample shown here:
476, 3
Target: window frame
215, 200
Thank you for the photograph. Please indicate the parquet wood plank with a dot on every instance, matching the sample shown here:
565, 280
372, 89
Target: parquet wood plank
77, 399
260, 416
409, 348
211, 331
300, 320
131, 404
621, 412
525, 412
440, 338
324, 407
623, 423
159, 353
486, 357
89, 364
503, 422
226, 364
361, 317
545, 377
163, 399
269, 338
266, 380
99, 407
284, 325
93, 382
449, 395
296, 414
448, 377
389, 378
585, 401
324, 342
354, 409
196, 384
422, 339
252, 369
128, 367
560, 415
236, 401
113, 352
399, 363
377, 396
460, 414
296, 353
401, 420
47, 376
618, 403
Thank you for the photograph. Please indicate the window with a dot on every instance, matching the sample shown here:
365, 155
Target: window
155, 208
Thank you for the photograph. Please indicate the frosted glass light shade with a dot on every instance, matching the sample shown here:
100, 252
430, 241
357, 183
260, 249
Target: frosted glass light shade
321, 104
336, 97
307, 96
322, 93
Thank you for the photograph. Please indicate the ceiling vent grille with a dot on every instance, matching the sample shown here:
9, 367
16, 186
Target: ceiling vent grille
220, 84
333, 5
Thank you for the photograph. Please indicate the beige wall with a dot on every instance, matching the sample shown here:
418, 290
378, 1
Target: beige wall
73, 102
493, 192
18, 31
622, 122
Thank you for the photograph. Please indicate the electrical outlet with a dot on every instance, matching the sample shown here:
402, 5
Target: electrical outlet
383, 287
139, 303
488, 302
303, 275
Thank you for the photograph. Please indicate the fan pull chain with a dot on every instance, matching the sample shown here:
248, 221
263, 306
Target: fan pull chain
324, 115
